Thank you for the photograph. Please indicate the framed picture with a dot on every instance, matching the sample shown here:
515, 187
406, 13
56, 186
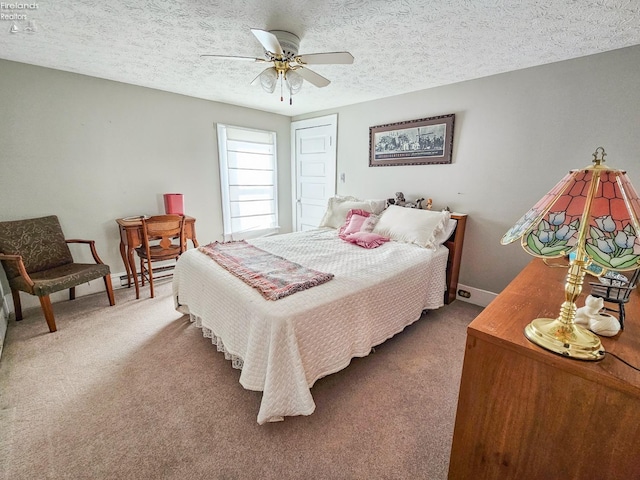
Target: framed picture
415, 142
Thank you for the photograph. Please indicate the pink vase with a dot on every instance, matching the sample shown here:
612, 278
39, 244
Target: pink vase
174, 203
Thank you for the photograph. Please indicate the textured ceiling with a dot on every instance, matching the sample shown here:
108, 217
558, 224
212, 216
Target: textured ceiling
399, 45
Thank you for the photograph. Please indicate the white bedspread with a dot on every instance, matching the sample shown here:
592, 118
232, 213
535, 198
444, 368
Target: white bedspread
288, 344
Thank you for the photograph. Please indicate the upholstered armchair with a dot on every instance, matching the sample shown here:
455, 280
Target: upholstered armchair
37, 260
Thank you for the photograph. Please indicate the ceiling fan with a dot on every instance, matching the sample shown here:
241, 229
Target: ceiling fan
289, 68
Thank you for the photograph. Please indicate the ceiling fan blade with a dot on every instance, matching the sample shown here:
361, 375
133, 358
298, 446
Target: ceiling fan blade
312, 77
236, 57
326, 58
268, 41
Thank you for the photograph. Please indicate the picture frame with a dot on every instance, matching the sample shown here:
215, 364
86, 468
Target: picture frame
426, 141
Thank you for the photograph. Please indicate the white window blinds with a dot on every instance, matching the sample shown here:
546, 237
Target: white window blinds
248, 182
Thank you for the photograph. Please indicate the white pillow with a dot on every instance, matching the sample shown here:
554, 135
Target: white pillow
443, 236
412, 225
338, 207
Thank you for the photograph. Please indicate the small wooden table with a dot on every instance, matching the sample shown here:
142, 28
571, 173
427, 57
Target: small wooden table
131, 238
524, 412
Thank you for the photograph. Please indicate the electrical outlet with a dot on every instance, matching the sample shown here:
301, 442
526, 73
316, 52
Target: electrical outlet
464, 293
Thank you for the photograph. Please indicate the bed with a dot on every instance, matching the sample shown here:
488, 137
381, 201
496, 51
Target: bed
284, 346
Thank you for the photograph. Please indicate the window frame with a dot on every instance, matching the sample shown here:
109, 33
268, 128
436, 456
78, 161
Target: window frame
225, 187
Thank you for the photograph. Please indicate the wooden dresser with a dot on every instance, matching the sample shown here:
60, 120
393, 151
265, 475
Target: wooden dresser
526, 413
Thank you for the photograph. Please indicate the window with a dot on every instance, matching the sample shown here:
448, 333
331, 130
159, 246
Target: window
248, 182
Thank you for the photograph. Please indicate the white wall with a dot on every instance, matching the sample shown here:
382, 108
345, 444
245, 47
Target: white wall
516, 134
91, 150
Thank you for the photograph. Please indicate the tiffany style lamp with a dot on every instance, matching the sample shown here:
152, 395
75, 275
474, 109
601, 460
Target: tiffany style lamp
593, 213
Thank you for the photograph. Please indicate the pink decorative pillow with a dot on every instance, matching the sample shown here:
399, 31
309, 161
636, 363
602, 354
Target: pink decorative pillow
354, 222
366, 239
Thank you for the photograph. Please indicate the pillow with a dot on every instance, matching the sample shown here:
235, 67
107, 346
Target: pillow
378, 206
443, 236
366, 239
412, 225
338, 207
358, 221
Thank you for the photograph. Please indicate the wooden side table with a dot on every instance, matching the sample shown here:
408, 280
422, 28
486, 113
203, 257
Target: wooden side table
131, 237
526, 413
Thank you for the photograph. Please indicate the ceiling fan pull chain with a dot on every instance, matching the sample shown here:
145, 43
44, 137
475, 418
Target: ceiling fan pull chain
281, 93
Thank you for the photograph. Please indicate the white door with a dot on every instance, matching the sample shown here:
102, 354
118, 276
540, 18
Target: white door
313, 156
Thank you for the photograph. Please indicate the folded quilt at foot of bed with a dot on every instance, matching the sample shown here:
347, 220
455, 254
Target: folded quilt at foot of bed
273, 276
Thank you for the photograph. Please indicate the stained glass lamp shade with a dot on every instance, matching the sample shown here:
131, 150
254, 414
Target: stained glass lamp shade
592, 212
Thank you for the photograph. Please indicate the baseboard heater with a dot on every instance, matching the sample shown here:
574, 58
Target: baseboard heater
159, 274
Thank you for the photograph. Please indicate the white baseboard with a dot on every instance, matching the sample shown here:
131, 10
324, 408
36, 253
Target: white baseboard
476, 296
115, 280
119, 279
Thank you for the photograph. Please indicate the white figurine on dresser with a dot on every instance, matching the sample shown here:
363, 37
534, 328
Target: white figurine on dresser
599, 323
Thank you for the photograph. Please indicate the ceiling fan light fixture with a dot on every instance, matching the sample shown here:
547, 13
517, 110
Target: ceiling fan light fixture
289, 68
269, 79
294, 81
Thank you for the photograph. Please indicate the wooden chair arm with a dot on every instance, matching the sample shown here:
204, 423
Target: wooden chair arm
18, 259
92, 246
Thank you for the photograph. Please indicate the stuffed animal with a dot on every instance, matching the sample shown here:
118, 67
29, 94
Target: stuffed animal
399, 200
424, 205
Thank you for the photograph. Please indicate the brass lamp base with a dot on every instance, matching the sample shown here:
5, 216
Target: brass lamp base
569, 341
